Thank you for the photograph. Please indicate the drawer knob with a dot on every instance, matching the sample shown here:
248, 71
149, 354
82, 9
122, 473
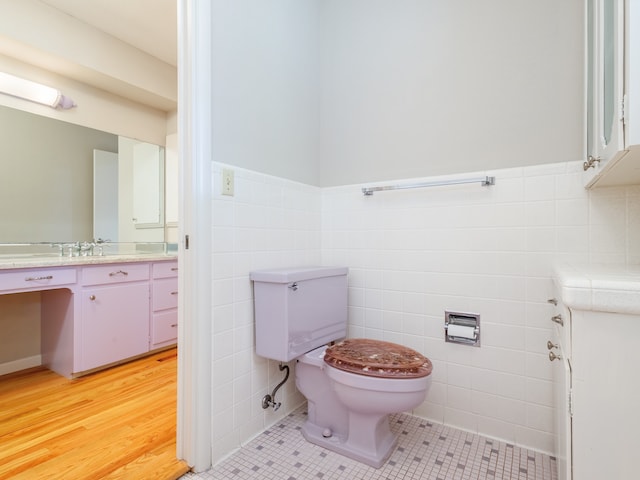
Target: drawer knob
557, 319
551, 345
174, 325
92, 297
553, 301
174, 293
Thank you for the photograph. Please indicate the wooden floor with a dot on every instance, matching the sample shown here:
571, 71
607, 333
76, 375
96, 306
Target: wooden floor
115, 424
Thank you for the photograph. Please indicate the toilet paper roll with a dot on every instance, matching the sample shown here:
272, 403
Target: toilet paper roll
461, 331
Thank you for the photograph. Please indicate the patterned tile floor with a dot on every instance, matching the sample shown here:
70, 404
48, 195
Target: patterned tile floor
426, 451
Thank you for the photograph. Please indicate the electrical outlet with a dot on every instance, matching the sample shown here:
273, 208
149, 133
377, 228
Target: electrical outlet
227, 182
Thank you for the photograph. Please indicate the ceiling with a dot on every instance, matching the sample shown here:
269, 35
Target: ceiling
149, 25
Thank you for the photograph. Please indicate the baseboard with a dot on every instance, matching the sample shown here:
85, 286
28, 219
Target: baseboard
20, 364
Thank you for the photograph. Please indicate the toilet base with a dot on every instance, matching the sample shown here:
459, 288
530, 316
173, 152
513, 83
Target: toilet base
339, 444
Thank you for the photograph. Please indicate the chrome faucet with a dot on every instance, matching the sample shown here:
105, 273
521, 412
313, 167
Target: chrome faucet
100, 243
84, 249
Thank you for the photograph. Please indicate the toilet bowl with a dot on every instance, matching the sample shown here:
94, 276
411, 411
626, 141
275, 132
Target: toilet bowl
349, 405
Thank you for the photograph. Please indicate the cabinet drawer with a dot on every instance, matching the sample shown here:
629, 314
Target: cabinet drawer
165, 269
115, 273
165, 293
40, 279
164, 327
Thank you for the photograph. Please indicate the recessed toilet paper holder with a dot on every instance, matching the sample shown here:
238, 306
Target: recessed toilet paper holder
461, 327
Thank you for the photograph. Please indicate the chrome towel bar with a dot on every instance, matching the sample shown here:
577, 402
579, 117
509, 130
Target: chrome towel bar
484, 181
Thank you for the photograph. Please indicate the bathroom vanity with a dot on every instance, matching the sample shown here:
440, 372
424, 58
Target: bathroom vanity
98, 310
596, 352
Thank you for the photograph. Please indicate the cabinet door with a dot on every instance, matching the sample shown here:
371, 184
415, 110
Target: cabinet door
562, 417
605, 75
115, 324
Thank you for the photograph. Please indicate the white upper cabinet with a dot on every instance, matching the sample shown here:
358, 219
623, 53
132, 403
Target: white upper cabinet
613, 93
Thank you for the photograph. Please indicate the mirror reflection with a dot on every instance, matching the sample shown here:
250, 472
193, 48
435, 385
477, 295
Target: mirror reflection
51, 169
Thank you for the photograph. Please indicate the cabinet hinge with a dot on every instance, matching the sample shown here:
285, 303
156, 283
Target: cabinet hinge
186, 242
571, 402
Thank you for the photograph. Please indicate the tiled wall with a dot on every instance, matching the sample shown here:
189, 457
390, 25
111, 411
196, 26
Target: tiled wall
268, 223
413, 254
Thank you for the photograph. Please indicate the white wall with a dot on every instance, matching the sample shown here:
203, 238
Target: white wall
418, 88
265, 88
334, 92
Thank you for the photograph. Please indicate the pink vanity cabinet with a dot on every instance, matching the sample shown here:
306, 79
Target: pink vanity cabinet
97, 311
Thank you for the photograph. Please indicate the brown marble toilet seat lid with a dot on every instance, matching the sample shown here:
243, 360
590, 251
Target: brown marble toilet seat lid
376, 358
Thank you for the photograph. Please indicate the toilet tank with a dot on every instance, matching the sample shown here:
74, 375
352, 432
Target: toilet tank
298, 309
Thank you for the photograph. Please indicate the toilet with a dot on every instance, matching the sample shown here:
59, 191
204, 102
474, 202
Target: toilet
351, 385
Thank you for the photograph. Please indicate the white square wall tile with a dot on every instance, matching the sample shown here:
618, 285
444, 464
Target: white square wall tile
540, 213
223, 420
222, 318
494, 428
373, 318
458, 398
413, 324
537, 188
541, 239
572, 212
501, 335
539, 366
223, 371
243, 338
498, 383
539, 392
535, 439
460, 375
222, 397
462, 419
373, 298
499, 359
222, 345
540, 418
499, 408
537, 339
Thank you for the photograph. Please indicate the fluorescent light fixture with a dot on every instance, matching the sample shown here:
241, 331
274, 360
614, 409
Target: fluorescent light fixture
34, 92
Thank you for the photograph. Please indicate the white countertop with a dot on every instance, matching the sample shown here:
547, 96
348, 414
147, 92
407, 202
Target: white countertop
603, 288
8, 262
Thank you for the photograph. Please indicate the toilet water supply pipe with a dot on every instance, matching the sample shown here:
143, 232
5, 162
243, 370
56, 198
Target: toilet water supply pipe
270, 400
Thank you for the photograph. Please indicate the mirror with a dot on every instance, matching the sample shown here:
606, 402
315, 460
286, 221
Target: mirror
47, 183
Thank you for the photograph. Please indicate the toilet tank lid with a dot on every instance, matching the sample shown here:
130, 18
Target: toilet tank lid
295, 274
